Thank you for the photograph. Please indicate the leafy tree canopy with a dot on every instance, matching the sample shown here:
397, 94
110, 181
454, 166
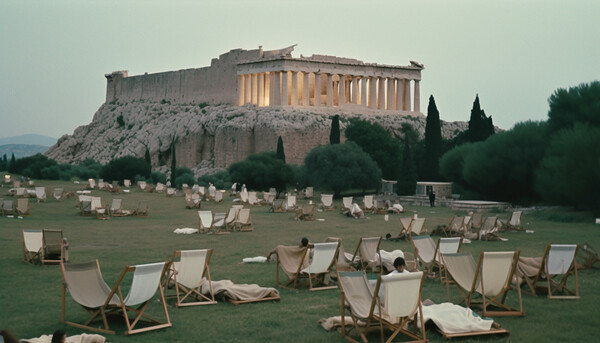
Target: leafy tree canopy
579, 104
262, 171
127, 167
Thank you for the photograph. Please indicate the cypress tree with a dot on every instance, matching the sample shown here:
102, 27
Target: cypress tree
480, 126
407, 181
147, 156
433, 142
280, 153
173, 161
4, 163
334, 134
12, 165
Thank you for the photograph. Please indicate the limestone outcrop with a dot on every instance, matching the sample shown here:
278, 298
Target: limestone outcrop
208, 137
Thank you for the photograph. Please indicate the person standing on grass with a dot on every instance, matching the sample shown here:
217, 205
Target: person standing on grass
432, 199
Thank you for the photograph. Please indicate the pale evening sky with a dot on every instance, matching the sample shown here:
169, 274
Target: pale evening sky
54, 54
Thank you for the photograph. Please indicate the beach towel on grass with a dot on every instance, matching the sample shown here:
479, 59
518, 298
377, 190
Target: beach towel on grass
83, 338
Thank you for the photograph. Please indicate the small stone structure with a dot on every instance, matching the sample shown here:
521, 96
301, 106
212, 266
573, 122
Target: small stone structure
441, 189
275, 78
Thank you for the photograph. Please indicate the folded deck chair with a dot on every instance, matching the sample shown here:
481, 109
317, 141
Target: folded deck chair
278, 206
32, 246
514, 222
190, 273
252, 199
307, 212
244, 221
147, 279
58, 193
358, 296
231, 218
323, 259
219, 223
8, 207
40, 193
490, 278
23, 206
554, 268
327, 202
366, 256
142, 210
346, 204
308, 192
489, 229
292, 259
368, 203
205, 221
401, 305
54, 247
290, 203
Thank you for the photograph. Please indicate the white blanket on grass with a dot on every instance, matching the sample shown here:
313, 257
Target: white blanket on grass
226, 289
185, 231
83, 338
451, 318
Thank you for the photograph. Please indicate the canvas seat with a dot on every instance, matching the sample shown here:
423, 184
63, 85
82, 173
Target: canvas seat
23, 207
379, 207
219, 196
116, 209
127, 183
278, 206
142, 210
346, 204
514, 222
91, 184
40, 193
307, 212
323, 259
244, 220
95, 296
292, 260
454, 228
244, 196
426, 253
8, 207
308, 192
368, 203
477, 220
190, 273
359, 298
290, 203
142, 185
58, 193
490, 278
343, 259
253, 199
32, 246
554, 269
489, 229
219, 223
366, 256
205, 221
54, 247
232, 215
327, 202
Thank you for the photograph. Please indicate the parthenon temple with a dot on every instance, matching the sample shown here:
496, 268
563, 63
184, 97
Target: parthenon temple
275, 78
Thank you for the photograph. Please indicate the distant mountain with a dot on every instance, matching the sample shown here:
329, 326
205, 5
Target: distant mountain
21, 150
32, 139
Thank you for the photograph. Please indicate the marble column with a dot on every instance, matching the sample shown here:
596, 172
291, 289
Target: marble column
318, 89
372, 92
381, 94
329, 90
240, 90
248, 89
268, 89
407, 106
284, 89
294, 89
417, 104
398, 95
276, 88
261, 89
306, 90
342, 91
355, 90
254, 89
363, 91
390, 94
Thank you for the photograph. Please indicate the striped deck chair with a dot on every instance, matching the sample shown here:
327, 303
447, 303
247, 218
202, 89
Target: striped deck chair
190, 273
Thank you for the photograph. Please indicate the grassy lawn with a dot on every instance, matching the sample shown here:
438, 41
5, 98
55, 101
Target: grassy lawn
31, 296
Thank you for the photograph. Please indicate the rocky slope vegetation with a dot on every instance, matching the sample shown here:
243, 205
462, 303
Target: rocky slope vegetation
212, 137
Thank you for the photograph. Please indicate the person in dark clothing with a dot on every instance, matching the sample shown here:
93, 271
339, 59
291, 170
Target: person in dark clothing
432, 199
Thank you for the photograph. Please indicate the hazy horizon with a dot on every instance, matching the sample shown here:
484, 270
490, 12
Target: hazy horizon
513, 54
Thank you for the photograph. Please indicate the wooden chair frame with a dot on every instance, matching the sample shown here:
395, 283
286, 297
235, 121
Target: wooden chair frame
555, 283
182, 293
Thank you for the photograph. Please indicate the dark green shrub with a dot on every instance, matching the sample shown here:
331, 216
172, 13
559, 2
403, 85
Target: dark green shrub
184, 178
127, 167
261, 171
156, 177
220, 180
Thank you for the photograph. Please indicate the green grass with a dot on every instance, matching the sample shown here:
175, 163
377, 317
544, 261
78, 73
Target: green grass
31, 296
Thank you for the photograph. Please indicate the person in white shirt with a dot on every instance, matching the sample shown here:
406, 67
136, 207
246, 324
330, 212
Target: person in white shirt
399, 266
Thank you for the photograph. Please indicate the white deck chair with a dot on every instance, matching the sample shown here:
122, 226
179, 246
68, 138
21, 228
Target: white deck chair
446, 245
252, 199
347, 204
231, 218
115, 208
219, 195
425, 252
358, 296
366, 256
40, 193
489, 229
205, 221
32, 246
397, 312
327, 202
514, 222
268, 198
219, 223
127, 183
290, 203
554, 268
490, 278
244, 220
324, 257
244, 196
308, 192
417, 227
368, 203
190, 273
147, 279
171, 192
58, 193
